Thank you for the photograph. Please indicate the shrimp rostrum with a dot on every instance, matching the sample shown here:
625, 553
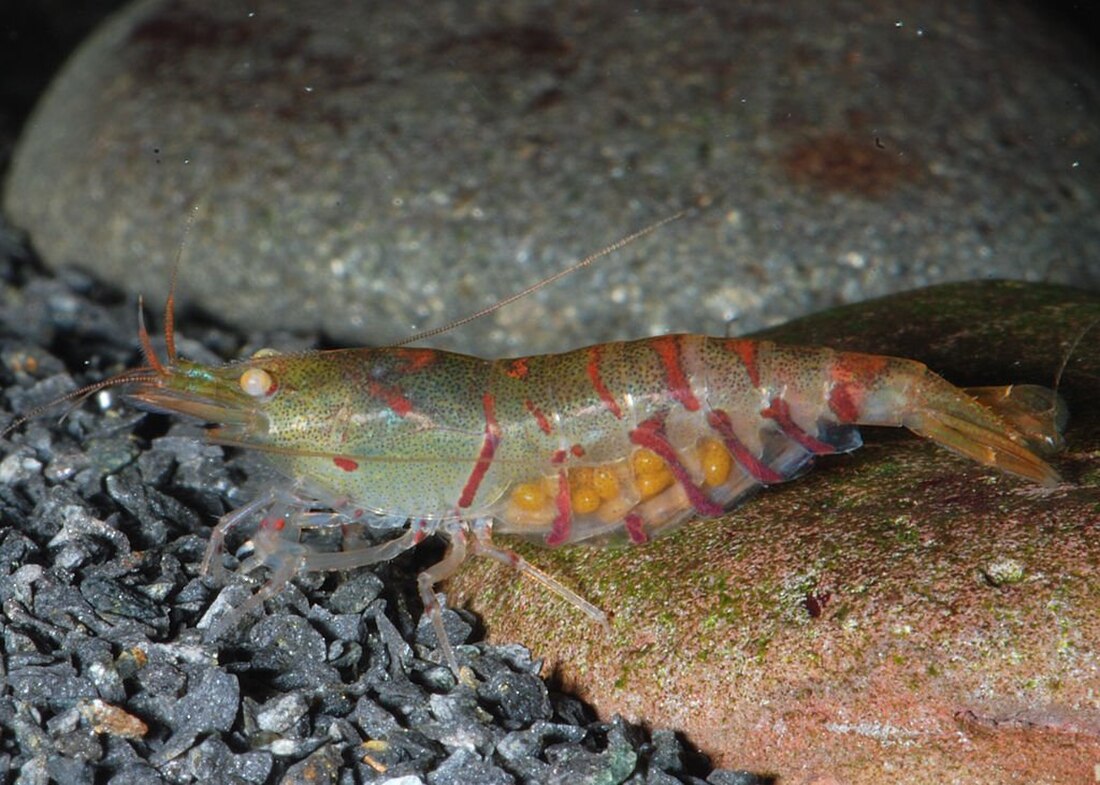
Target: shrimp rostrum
619, 440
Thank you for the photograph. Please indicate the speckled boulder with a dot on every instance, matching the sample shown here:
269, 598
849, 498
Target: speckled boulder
898, 615
373, 170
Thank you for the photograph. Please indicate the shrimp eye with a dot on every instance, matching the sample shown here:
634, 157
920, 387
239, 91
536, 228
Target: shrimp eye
258, 383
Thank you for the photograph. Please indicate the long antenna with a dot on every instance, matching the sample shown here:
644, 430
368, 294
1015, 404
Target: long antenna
1072, 348
610, 249
170, 303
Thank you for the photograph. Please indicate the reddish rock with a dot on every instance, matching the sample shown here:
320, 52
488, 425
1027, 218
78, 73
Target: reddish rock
899, 614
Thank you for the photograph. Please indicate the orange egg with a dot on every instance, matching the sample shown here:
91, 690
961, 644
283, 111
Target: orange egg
716, 462
580, 476
529, 496
605, 482
585, 499
647, 462
649, 485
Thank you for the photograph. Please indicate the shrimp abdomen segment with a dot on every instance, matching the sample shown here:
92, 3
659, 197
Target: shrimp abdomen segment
827, 393
978, 428
662, 429
677, 426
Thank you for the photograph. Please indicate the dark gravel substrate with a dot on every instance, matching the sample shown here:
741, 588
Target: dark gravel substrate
104, 677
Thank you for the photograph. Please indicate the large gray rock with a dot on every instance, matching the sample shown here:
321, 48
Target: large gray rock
375, 170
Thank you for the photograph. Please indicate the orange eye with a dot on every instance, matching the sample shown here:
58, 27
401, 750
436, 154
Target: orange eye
258, 383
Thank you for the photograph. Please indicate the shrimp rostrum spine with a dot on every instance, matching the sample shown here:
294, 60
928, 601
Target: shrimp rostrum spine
619, 440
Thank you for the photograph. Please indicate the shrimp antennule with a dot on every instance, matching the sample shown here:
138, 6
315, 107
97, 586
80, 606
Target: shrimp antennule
150, 372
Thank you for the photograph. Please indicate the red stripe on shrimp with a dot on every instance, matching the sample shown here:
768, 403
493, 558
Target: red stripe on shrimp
746, 350
608, 399
488, 448
540, 418
392, 397
635, 528
852, 375
780, 411
562, 526
651, 435
413, 360
670, 350
720, 421
517, 368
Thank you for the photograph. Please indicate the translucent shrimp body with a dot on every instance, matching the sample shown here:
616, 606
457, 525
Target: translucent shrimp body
621, 440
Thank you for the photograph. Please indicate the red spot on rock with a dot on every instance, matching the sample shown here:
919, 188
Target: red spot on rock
815, 603
850, 162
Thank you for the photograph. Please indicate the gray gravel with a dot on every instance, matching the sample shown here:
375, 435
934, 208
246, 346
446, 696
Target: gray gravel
104, 677
372, 169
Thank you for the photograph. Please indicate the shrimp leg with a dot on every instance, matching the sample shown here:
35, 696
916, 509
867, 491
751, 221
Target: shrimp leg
211, 560
279, 577
455, 534
483, 545
275, 546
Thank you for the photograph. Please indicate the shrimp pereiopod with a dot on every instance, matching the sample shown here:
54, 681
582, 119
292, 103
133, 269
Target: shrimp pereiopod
620, 440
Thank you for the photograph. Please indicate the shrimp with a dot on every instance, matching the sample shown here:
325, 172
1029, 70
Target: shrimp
617, 441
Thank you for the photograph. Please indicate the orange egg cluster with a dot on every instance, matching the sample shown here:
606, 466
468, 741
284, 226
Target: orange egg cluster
611, 489
651, 473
